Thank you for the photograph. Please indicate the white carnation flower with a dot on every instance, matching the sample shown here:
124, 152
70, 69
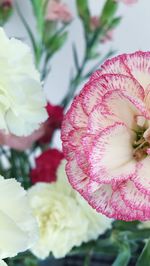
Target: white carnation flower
61, 222
65, 219
97, 223
22, 99
2, 263
18, 227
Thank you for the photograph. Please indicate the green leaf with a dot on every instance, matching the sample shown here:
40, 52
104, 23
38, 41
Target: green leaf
75, 56
115, 22
144, 258
39, 11
5, 13
56, 42
137, 235
124, 255
83, 11
108, 12
32, 39
122, 225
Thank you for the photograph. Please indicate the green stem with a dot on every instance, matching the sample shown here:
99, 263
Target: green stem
79, 71
87, 259
75, 81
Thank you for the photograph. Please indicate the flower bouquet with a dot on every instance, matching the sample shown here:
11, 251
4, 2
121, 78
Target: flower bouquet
87, 203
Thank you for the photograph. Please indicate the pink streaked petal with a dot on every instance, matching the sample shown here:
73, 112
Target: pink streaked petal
115, 66
66, 128
142, 177
87, 143
77, 116
121, 108
75, 143
130, 89
94, 91
95, 75
99, 196
124, 212
139, 65
100, 118
111, 158
76, 177
75, 136
135, 199
81, 158
92, 94
69, 152
127, 85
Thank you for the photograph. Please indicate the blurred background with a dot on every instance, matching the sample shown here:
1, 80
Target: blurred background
132, 34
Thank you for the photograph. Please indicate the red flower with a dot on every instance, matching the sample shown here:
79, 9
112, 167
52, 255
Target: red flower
6, 3
46, 166
55, 113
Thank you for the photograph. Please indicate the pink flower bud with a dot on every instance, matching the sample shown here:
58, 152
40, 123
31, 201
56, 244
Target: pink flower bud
57, 11
94, 22
127, 2
107, 37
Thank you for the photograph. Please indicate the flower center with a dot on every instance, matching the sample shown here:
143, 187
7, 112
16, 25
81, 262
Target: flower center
141, 144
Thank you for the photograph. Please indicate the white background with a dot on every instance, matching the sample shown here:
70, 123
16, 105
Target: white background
132, 34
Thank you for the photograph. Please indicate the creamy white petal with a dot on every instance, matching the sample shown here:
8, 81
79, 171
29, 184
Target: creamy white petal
22, 99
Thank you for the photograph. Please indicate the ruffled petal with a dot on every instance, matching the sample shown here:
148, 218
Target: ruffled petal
14, 238
68, 150
100, 118
127, 85
111, 158
92, 94
115, 65
75, 136
76, 177
120, 108
77, 116
142, 177
123, 211
75, 142
66, 128
139, 66
135, 199
99, 196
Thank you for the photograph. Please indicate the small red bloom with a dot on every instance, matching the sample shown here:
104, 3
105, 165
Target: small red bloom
55, 113
46, 166
6, 3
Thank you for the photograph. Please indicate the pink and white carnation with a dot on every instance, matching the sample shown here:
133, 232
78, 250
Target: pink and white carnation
106, 138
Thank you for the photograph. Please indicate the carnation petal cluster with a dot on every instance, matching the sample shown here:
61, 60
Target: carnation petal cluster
106, 138
22, 107
65, 219
18, 227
